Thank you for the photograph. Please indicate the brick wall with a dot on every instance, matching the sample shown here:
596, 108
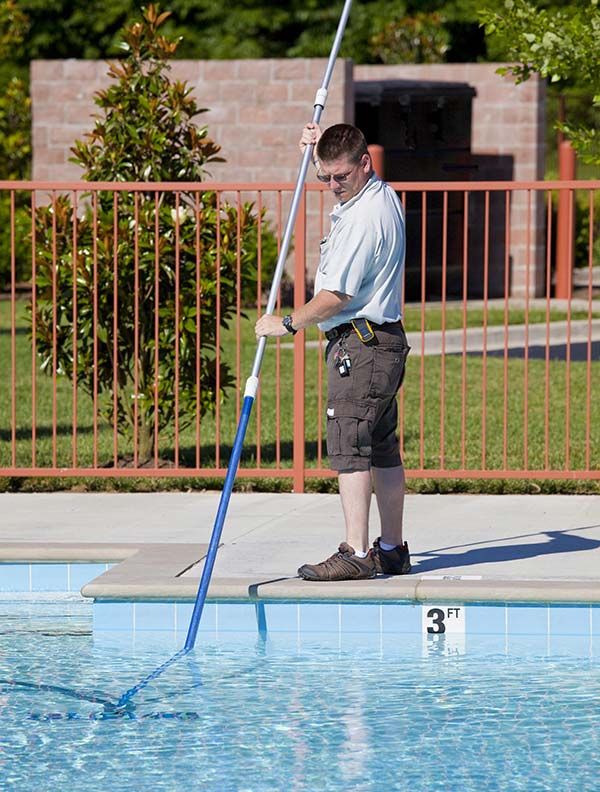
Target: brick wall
257, 108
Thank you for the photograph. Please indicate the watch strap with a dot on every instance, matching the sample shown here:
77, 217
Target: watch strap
287, 323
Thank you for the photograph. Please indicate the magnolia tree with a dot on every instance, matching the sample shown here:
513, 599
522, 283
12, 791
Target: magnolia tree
145, 132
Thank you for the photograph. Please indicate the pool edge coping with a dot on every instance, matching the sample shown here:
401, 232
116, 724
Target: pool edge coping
153, 572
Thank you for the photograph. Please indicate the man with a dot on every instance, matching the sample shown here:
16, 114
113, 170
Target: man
357, 303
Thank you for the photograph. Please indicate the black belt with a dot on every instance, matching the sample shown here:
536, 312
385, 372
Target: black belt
342, 329
338, 331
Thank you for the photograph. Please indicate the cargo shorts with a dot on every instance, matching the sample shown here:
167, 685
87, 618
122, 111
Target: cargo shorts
362, 409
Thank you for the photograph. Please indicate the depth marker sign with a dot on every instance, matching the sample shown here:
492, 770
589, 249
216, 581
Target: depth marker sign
443, 619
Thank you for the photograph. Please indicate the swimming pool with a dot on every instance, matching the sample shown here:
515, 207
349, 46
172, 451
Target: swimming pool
300, 710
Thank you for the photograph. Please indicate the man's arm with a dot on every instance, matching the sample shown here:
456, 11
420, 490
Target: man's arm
310, 136
320, 307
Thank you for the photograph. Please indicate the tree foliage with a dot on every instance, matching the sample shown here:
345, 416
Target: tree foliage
15, 153
15, 146
15, 104
152, 271
249, 28
15, 140
418, 39
13, 27
561, 44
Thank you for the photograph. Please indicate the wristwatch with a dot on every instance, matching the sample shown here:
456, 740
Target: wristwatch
287, 323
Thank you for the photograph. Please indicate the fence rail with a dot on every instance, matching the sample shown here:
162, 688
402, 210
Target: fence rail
127, 313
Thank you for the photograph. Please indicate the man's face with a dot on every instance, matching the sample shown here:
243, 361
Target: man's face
351, 177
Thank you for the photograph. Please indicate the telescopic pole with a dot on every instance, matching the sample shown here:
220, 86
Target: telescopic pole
252, 381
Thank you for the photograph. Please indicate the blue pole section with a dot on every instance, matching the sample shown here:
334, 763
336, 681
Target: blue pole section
128, 695
219, 522
252, 382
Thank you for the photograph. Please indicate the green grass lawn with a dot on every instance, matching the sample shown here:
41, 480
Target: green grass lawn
483, 385
414, 320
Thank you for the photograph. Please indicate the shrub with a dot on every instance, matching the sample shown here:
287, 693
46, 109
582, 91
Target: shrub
22, 240
146, 133
582, 230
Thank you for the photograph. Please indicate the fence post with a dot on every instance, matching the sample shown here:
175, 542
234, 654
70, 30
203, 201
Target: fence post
565, 222
377, 154
299, 346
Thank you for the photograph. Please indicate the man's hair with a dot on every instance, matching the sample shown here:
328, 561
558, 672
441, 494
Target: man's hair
341, 140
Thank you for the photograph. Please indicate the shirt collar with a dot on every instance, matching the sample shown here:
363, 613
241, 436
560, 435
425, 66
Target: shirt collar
340, 208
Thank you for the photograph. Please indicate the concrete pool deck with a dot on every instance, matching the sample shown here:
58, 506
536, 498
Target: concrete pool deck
509, 548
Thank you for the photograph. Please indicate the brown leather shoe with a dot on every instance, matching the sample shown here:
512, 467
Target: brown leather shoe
343, 565
391, 562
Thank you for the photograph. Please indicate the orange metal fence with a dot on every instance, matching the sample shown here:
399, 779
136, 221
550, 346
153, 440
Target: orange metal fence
127, 307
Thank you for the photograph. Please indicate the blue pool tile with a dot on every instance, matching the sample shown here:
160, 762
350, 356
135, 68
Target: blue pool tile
485, 644
236, 616
401, 618
149, 641
527, 620
281, 617
527, 645
566, 620
212, 636
360, 642
113, 616
361, 618
183, 616
81, 574
570, 645
154, 616
595, 619
115, 639
313, 642
161, 634
229, 638
485, 620
320, 617
402, 646
49, 577
14, 577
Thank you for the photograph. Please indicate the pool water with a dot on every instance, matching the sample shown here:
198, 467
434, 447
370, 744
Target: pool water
251, 713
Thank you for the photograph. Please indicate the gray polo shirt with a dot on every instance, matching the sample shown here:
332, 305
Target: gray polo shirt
363, 256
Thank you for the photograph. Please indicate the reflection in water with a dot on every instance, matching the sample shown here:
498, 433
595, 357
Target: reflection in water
283, 712
355, 752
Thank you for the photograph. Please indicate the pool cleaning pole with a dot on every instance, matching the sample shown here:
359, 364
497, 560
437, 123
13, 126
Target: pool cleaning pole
252, 381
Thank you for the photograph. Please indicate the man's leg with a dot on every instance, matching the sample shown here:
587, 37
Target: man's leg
355, 492
353, 561
390, 553
389, 485
349, 450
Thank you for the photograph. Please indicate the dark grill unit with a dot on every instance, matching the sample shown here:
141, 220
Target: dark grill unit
425, 130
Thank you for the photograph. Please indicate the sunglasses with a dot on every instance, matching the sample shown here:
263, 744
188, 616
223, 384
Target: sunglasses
340, 178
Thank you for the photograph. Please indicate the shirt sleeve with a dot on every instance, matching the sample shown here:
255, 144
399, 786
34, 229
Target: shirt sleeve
351, 258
